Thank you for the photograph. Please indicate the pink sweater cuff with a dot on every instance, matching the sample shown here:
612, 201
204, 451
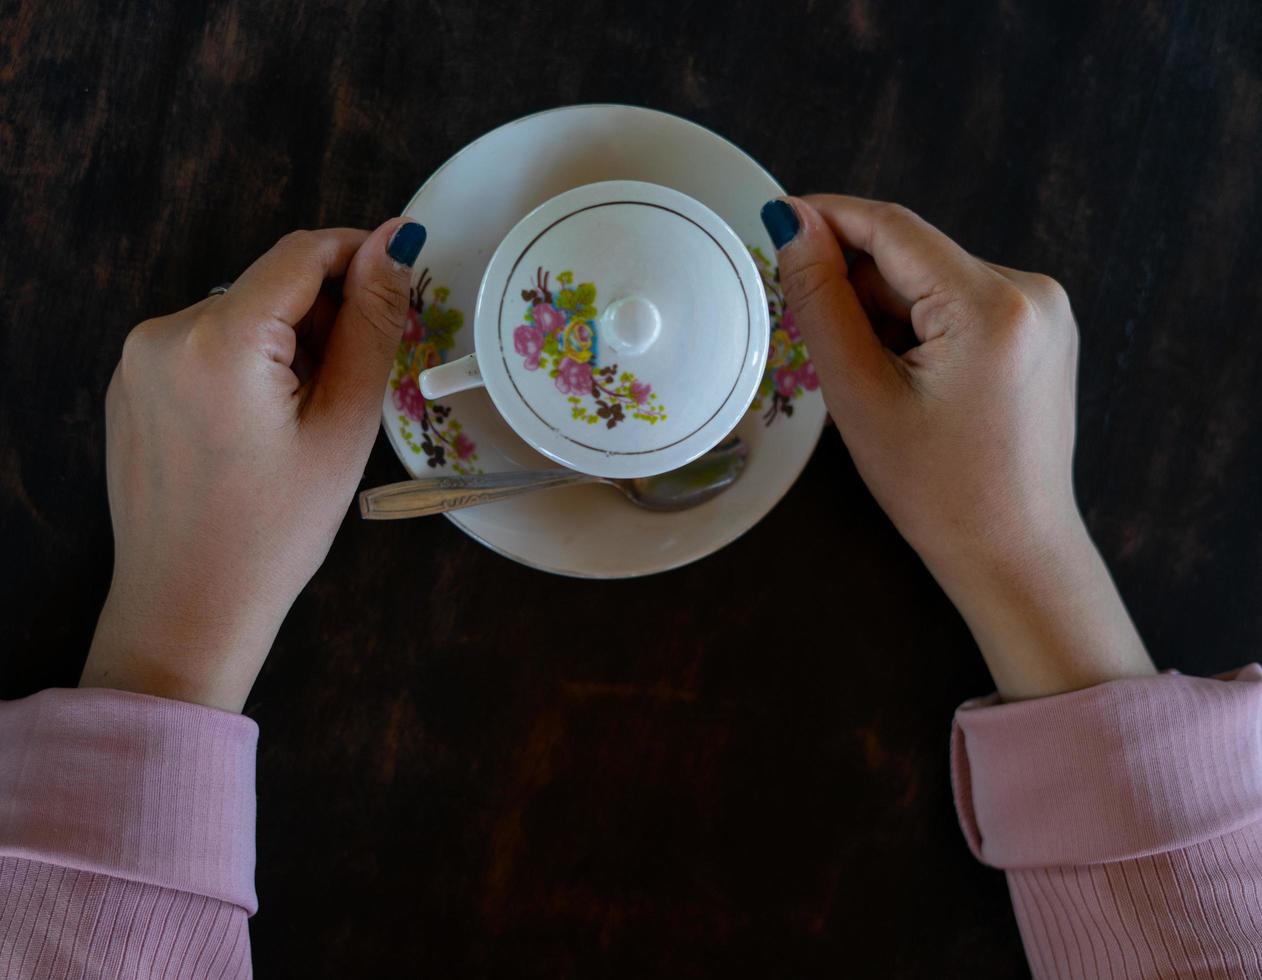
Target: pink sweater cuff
1122, 770
137, 787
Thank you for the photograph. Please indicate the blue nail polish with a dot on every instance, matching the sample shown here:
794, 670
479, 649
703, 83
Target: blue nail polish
781, 222
405, 244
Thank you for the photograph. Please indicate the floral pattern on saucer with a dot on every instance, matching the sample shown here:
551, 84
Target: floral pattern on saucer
789, 372
559, 336
430, 333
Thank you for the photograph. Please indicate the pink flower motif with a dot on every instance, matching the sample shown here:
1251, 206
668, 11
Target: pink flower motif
789, 325
640, 392
786, 382
574, 378
807, 376
528, 340
415, 329
464, 446
409, 400
548, 318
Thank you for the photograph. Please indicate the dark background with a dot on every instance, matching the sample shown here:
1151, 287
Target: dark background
751, 779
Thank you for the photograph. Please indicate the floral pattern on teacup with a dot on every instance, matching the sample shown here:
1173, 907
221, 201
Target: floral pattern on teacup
789, 371
558, 335
430, 333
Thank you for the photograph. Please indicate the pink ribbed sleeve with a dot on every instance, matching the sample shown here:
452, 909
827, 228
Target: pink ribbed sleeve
126, 837
1128, 818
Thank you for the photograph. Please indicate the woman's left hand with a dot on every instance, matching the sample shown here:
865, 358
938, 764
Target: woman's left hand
236, 434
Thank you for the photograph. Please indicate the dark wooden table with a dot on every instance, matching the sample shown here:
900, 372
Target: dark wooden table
754, 781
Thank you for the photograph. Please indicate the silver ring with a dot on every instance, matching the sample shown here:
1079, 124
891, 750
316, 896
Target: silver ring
219, 290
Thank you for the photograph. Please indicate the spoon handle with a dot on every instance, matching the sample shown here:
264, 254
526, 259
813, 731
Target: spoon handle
434, 495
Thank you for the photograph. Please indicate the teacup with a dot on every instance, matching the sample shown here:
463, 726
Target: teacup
621, 329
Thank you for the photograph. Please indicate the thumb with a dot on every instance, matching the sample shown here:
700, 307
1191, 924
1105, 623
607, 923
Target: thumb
366, 332
852, 365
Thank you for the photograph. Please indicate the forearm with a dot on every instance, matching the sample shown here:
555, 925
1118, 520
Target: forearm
183, 640
1045, 613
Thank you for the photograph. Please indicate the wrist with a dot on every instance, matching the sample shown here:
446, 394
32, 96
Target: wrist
1020, 555
170, 651
1044, 611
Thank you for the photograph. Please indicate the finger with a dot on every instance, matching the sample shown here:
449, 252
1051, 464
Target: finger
887, 308
848, 356
915, 258
874, 291
1044, 291
314, 329
346, 396
282, 284
312, 333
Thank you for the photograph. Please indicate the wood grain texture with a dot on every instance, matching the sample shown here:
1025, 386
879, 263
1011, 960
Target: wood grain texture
465, 770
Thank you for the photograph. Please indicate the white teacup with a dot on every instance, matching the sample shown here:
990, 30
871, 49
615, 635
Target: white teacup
621, 329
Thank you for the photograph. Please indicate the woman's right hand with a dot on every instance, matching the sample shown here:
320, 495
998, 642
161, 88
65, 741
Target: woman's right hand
952, 382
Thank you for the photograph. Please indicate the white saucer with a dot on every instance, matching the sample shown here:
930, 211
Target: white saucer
468, 206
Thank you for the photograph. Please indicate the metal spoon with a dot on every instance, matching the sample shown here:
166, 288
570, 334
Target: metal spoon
705, 477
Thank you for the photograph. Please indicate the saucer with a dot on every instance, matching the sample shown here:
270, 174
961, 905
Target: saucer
469, 205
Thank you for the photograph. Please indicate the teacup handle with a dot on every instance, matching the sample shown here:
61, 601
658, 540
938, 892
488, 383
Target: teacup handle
447, 379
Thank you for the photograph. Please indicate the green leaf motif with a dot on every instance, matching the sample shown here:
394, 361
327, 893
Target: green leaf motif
565, 278
566, 299
447, 322
586, 294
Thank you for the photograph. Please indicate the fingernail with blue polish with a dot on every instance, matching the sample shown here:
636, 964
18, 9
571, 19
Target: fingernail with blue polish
781, 222
405, 244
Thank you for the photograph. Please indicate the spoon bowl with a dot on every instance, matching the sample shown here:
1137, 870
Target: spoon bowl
694, 483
